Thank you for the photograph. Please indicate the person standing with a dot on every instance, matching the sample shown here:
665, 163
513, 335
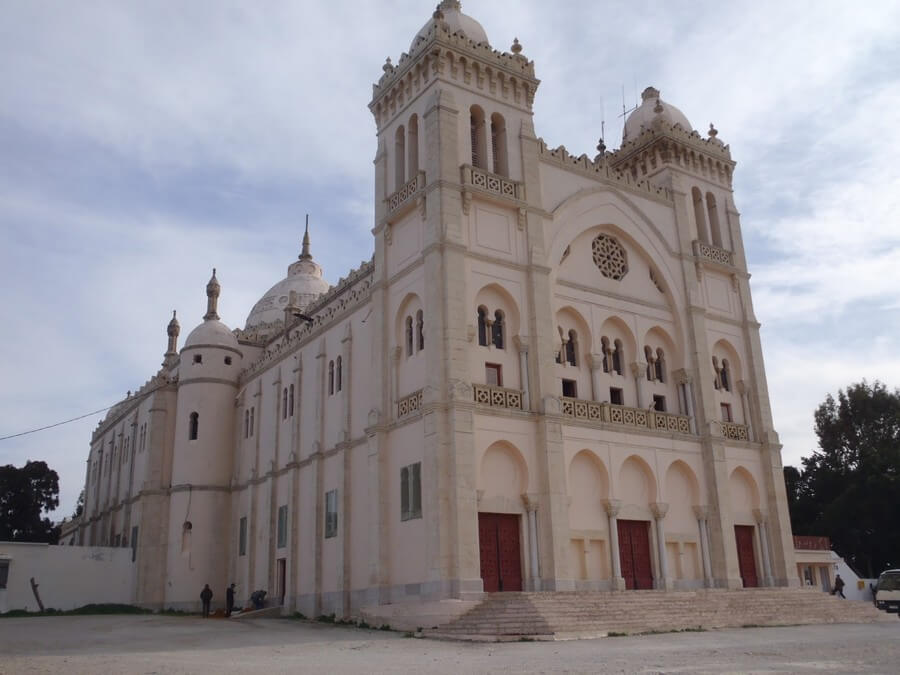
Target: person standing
205, 596
229, 600
839, 586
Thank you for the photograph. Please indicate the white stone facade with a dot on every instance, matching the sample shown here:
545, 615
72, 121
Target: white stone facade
548, 377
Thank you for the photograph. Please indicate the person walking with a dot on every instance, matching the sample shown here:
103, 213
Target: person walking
205, 596
229, 600
839, 586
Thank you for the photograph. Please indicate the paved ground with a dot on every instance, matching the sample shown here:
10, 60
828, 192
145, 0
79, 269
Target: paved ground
167, 645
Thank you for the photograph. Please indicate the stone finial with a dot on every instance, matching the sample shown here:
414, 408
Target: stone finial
450, 4
438, 14
658, 107
601, 150
516, 46
173, 329
713, 132
304, 253
212, 298
387, 67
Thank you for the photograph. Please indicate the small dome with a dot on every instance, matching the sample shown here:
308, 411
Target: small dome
211, 332
652, 108
456, 21
304, 278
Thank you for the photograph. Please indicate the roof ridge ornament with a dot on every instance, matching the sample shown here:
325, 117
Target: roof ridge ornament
516, 46
304, 253
450, 4
713, 132
213, 289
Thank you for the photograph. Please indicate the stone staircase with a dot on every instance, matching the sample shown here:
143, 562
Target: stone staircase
568, 615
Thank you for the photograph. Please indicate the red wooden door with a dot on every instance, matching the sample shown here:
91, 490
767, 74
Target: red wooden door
634, 553
743, 535
501, 564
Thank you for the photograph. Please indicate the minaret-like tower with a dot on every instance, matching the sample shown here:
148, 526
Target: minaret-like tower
172, 330
202, 458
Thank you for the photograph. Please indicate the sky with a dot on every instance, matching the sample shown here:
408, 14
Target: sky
144, 143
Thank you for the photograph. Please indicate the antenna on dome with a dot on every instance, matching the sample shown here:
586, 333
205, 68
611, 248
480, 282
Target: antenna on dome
602, 119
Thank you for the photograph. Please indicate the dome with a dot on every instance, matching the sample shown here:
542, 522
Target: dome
456, 21
304, 278
652, 108
211, 332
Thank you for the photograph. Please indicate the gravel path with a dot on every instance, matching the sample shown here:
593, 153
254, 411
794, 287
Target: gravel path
174, 645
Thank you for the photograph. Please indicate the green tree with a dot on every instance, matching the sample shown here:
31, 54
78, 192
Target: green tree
25, 494
79, 505
849, 489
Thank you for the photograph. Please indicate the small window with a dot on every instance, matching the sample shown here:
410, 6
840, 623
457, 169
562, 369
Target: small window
331, 514
420, 330
411, 492
570, 388
134, 543
493, 374
4, 573
482, 327
660, 365
282, 526
242, 536
725, 375
409, 336
198, 358
617, 357
659, 403
284, 403
497, 330
291, 400
330, 378
227, 360
726, 412
615, 396
193, 426
572, 348
339, 374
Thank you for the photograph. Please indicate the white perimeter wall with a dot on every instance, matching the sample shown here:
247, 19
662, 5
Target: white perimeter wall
67, 576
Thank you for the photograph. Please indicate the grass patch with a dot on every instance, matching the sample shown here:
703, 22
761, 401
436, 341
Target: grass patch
362, 624
385, 626
91, 609
615, 633
326, 618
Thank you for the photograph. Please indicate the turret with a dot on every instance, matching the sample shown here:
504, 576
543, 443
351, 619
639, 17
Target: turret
173, 330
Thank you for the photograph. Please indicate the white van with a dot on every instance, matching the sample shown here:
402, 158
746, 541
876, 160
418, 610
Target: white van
887, 591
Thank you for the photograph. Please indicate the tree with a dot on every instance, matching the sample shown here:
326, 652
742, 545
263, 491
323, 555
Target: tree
849, 489
79, 505
24, 494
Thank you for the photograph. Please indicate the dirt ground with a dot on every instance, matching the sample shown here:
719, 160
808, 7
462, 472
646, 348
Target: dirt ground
162, 645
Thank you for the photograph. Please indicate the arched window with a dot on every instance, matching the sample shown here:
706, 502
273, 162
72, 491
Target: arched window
420, 330
194, 426
660, 365
400, 158
498, 144
651, 366
702, 233
340, 374
409, 336
717, 380
284, 403
497, 330
617, 357
604, 348
412, 146
572, 348
725, 375
291, 403
482, 327
330, 378
713, 219
476, 132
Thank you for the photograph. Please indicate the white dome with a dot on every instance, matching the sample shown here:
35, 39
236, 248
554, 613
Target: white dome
456, 21
652, 108
304, 278
211, 332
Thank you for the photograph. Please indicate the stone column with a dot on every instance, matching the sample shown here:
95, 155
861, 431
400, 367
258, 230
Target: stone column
688, 392
764, 546
612, 510
396, 352
745, 408
531, 514
522, 346
595, 361
659, 510
639, 370
702, 513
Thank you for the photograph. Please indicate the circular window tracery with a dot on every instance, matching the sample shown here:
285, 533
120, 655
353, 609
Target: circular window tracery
609, 257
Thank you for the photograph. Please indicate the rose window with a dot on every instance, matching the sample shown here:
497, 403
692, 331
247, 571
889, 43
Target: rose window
609, 256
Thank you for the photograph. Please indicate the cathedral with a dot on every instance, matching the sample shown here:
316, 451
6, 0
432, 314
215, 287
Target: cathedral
548, 377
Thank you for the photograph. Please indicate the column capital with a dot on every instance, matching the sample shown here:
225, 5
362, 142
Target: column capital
638, 368
741, 387
702, 512
521, 343
760, 516
530, 501
682, 376
595, 361
659, 509
612, 506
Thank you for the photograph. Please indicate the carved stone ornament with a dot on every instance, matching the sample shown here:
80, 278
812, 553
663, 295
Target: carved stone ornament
609, 257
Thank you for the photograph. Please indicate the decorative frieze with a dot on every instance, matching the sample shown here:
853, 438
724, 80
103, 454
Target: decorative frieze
497, 397
409, 404
735, 432
620, 414
713, 253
